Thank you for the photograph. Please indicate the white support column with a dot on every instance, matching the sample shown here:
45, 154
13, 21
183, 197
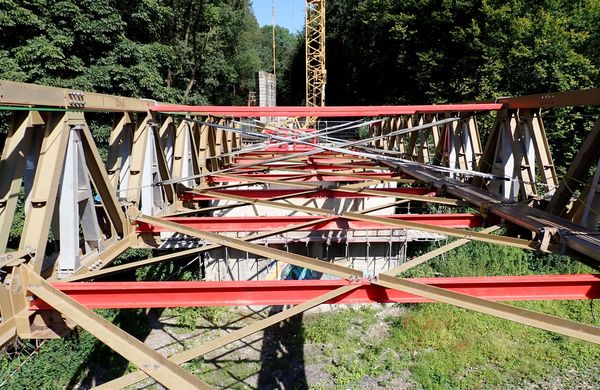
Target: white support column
187, 164
450, 147
125, 161
467, 144
151, 196
76, 209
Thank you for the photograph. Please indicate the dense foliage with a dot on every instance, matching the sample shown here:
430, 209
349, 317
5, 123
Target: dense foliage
438, 51
197, 51
434, 51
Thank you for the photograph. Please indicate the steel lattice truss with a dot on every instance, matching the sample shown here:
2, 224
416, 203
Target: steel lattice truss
171, 168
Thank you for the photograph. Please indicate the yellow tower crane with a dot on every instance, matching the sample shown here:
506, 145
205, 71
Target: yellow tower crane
316, 75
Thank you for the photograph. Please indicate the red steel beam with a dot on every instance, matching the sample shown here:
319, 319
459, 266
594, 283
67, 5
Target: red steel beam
330, 111
271, 193
308, 165
312, 177
127, 295
260, 224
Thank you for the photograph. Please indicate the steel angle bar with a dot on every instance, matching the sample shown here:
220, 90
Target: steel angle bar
8, 330
416, 198
333, 192
14, 258
434, 253
151, 362
229, 338
585, 97
234, 205
239, 182
318, 176
187, 252
469, 235
248, 165
24, 94
276, 254
537, 320
269, 181
287, 206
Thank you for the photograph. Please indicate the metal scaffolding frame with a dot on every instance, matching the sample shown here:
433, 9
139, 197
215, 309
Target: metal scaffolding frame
171, 168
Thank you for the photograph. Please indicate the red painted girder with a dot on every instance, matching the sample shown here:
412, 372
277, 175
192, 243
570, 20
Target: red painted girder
321, 162
304, 166
126, 295
330, 111
280, 151
312, 177
259, 224
270, 193
313, 160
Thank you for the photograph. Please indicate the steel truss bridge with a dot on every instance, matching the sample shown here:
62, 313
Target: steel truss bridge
169, 168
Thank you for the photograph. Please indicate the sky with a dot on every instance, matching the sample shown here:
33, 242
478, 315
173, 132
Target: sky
288, 13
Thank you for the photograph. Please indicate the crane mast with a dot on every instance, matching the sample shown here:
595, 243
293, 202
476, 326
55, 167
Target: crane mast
316, 75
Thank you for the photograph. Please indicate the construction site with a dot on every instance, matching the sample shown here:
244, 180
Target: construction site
292, 206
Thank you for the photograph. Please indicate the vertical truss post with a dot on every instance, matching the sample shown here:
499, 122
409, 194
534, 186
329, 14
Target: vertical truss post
119, 152
588, 205
414, 120
44, 192
218, 140
588, 153
503, 163
12, 166
166, 133
526, 148
211, 148
471, 142
76, 205
148, 168
203, 151
438, 141
184, 154
532, 119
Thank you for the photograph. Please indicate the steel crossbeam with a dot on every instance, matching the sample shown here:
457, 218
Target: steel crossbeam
338, 194
128, 295
336, 223
320, 112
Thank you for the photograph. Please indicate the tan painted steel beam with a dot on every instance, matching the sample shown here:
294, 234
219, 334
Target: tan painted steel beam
151, 362
8, 331
466, 234
44, 192
102, 183
12, 166
234, 205
269, 181
271, 253
196, 352
471, 235
87, 274
538, 320
432, 254
286, 206
24, 94
585, 97
121, 137
588, 154
416, 198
